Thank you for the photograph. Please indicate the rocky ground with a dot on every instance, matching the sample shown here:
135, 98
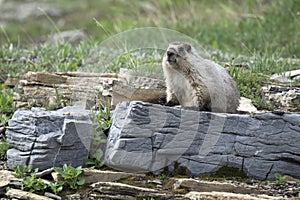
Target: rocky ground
107, 184
111, 185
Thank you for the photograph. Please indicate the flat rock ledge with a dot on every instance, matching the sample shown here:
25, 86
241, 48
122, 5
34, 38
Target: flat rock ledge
143, 187
45, 139
146, 137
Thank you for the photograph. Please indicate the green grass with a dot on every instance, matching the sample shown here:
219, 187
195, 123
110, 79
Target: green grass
266, 34
229, 25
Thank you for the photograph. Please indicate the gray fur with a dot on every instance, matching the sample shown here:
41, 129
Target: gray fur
197, 82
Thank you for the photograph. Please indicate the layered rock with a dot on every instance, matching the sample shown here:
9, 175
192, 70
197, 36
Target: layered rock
285, 98
41, 89
44, 139
148, 137
63, 89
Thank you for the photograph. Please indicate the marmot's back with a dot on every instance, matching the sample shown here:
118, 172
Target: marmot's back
202, 83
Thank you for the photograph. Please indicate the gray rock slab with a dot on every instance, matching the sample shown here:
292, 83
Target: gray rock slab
44, 139
147, 138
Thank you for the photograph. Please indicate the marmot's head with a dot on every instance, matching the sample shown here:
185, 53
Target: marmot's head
177, 51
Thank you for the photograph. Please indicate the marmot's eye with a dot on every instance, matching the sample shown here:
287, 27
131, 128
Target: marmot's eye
170, 54
171, 57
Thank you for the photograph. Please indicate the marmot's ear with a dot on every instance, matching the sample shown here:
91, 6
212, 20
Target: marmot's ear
188, 47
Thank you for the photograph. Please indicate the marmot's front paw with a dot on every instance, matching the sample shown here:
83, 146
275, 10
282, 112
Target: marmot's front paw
171, 103
162, 100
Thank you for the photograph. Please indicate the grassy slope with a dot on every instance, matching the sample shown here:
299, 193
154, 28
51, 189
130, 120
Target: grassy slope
264, 31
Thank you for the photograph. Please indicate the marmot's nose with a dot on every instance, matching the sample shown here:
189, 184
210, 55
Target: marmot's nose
171, 57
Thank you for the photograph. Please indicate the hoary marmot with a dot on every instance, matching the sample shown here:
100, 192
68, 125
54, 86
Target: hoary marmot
195, 82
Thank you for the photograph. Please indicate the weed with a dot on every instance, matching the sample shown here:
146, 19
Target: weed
7, 106
102, 117
59, 101
95, 159
3, 149
34, 184
164, 177
22, 171
96, 154
71, 175
30, 183
279, 179
56, 187
249, 85
103, 122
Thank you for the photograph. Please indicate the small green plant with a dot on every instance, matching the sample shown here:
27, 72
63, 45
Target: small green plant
279, 179
103, 119
102, 124
3, 149
164, 177
94, 158
30, 182
56, 187
71, 175
22, 171
33, 184
6, 103
59, 101
249, 85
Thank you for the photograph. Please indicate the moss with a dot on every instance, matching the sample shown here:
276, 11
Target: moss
227, 172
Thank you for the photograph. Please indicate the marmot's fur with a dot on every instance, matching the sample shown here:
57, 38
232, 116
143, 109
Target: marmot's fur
193, 81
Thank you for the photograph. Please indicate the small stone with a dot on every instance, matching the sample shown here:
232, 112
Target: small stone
52, 196
73, 197
2, 129
156, 181
246, 106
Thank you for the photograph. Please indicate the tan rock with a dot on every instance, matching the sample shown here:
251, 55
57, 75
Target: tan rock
226, 196
45, 78
246, 106
128, 93
19, 194
11, 82
209, 186
111, 188
44, 89
93, 175
5, 178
